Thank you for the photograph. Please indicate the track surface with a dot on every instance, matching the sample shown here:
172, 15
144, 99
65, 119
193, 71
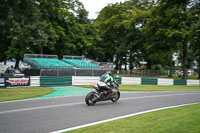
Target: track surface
52, 114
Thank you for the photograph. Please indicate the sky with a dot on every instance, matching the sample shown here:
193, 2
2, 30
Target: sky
95, 6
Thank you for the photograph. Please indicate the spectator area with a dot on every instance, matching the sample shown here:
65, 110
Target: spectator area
48, 63
81, 63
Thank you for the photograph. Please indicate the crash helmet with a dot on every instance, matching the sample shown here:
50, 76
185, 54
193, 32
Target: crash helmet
109, 73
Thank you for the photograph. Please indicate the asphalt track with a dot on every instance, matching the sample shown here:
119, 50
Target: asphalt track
52, 114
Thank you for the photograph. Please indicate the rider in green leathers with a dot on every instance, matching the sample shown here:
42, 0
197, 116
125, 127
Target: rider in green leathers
108, 79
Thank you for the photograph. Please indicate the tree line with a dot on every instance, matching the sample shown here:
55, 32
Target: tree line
124, 33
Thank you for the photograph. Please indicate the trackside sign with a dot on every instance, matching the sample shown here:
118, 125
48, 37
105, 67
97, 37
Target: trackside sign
17, 81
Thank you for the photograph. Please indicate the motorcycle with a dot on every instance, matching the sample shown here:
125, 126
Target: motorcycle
101, 94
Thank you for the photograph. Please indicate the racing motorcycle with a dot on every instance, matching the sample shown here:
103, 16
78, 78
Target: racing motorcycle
102, 93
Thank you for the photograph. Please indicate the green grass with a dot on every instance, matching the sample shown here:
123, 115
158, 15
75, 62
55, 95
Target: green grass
8, 94
153, 88
176, 120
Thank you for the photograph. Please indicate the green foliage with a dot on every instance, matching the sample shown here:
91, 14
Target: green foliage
124, 33
40, 26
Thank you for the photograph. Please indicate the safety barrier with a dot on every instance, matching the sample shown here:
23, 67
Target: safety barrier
87, 80
158, 81
180, 82
131, 80
165, 81
193, 82
84, 80
2, 83
35, 80
55, 81
149, 81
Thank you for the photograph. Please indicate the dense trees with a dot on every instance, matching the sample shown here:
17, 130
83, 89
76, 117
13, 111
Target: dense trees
151, 31
39, 26
124, 33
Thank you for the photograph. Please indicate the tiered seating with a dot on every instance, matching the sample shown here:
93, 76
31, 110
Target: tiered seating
49, 63
81, 63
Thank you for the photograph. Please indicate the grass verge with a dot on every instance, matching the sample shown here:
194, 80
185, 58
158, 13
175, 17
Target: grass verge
8, 94
153, 88
176, 120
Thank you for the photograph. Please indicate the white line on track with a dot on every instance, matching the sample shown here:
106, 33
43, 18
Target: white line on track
42, 107
117, 118
71, 104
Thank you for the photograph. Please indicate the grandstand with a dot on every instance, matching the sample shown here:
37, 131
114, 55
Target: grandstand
50, 65
46, 62
80, 62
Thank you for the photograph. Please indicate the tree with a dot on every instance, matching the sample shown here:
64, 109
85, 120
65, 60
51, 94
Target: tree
171, 24
4, 26
23, 28
195, 40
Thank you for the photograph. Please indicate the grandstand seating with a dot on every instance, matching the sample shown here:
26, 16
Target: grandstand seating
51, 63
81, 63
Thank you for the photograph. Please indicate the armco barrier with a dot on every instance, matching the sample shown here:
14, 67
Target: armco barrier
35, 80
165, 81
55, 81
149, 81
131, 80
193, 82
180, 82
87, 80
84, 80
2, 83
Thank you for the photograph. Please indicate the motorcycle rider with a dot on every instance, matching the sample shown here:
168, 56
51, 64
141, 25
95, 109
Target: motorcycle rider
106, 89
108, 80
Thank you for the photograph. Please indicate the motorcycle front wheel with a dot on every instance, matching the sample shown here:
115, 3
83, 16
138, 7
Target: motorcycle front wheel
115, 97
91, 99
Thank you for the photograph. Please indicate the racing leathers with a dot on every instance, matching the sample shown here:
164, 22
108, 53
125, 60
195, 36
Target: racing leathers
108, 80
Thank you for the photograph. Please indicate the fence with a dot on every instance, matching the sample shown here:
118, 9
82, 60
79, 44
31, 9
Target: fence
65, 72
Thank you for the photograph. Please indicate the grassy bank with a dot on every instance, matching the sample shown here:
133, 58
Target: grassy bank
154, 88
176, 120
8, 94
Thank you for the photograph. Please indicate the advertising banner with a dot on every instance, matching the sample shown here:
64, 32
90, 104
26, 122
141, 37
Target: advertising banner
17, 81
2, 83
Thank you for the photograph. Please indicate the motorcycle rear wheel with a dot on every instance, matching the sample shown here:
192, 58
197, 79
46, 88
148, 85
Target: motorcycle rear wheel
91, 99
116, 97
